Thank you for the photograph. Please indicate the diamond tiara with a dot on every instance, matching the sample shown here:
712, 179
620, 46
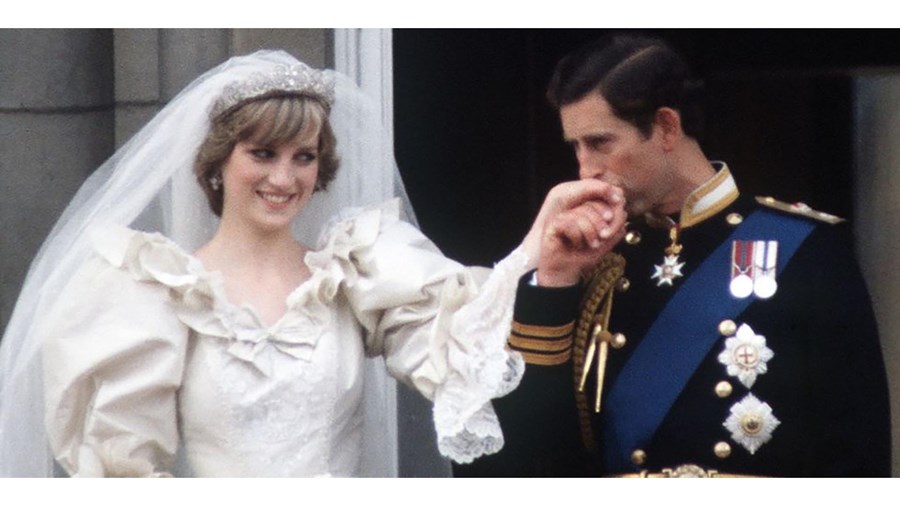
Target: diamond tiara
297, 79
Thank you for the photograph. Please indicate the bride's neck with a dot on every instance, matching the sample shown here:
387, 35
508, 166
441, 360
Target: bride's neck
240, 245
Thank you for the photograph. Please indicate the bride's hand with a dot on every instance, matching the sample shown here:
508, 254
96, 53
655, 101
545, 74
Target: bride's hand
579, 222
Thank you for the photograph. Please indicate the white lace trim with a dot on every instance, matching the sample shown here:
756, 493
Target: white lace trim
481, 367
481, 435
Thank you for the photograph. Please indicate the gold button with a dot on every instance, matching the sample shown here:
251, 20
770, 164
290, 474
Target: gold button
734, 219
618, 340
723, 389
638, 457
722, 450
727, 328
633, 237
623, 284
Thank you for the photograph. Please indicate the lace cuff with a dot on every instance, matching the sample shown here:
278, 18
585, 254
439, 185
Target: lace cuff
481, 435
482, 367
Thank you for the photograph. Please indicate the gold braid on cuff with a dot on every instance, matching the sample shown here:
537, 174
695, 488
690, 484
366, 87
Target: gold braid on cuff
541, 345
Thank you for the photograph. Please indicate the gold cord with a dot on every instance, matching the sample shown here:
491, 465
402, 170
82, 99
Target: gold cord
601, 284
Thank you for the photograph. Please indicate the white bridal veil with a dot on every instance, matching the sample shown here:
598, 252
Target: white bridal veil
149, 184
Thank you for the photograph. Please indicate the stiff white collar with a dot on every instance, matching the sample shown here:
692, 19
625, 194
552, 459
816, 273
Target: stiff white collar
714, 195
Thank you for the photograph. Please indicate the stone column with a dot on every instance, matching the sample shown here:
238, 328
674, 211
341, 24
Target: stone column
152, 66
137, 80
315, 47
56, 126
877, 208
185, 54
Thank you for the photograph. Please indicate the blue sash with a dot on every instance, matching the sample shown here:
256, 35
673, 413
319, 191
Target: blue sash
682, 336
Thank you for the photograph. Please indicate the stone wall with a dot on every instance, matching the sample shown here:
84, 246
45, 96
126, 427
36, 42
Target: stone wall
56, 126
69, 97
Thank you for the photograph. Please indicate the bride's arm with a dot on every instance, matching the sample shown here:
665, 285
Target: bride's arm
442, 327
113, 359
439, 329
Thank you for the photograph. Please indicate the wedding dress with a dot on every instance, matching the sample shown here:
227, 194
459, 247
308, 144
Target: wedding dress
123, 352
174, 356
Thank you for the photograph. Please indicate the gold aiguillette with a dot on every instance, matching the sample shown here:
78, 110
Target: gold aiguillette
599, 345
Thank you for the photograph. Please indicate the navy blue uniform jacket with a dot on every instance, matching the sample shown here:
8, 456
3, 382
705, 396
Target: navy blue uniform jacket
825, 383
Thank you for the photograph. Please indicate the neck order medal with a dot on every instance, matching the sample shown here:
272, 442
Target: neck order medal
670, 268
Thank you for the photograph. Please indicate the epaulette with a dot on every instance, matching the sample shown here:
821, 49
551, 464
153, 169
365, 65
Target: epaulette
800, 209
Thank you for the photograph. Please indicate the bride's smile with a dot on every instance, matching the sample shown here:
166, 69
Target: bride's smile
268, 186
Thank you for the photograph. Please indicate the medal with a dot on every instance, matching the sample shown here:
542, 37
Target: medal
753, 267
666, 272
751, 423
670, 268
746, 355
741, 285
764, 259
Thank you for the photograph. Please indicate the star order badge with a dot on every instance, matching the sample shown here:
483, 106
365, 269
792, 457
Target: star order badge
751, 423
745, 355
669, 270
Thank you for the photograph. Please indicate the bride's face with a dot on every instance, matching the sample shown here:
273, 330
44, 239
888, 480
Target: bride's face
267, 186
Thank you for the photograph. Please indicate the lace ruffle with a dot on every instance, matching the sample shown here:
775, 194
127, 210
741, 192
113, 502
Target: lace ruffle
199, 297
481, 367
346, 236
480, 435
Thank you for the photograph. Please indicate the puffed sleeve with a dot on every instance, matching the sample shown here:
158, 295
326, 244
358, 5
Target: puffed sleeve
441, 327
113, 361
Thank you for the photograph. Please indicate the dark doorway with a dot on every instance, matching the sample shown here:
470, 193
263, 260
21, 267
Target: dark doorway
479, 147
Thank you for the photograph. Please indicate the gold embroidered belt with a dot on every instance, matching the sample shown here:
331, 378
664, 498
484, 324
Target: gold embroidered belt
683, 471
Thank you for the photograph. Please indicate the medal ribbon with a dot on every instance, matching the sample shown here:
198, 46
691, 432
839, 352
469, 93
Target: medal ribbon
741, 258
643, 392
768, 257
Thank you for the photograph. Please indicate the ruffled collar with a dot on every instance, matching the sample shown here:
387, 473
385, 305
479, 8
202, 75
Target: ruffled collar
201, 302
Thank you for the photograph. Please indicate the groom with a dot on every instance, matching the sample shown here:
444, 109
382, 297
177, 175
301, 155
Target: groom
714, 334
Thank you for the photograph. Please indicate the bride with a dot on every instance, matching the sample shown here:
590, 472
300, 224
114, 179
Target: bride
151, 330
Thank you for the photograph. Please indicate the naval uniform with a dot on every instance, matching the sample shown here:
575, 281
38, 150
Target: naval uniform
790, 383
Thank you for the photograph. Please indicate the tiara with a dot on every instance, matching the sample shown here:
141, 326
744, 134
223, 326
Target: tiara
297, 79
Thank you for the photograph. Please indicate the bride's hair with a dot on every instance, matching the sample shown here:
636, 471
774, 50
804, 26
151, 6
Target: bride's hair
270, 122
